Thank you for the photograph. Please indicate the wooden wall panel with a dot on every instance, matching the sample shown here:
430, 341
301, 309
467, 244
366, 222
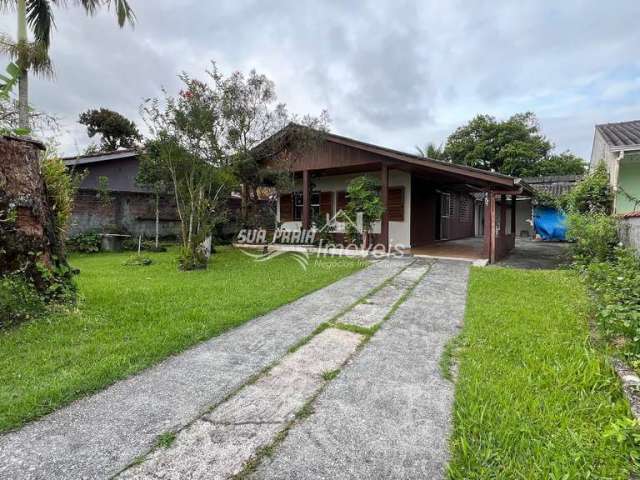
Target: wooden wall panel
286, 207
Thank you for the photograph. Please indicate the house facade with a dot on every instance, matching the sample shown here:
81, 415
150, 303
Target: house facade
618, 146
130, 208
431, 207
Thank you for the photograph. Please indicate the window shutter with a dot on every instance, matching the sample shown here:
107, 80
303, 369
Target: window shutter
286, 207
396, 204
326, 203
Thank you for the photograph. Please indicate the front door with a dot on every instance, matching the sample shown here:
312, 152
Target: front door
445, 213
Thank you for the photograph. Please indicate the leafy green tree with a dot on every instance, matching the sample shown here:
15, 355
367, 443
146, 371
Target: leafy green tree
34, 56
512, 146
116, 130
153, 174
565, 163
251, 115
431, 150
364, 198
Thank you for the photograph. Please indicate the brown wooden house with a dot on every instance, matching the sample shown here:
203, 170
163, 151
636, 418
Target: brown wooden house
431, 207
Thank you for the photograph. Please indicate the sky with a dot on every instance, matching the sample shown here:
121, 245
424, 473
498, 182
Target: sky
394, 73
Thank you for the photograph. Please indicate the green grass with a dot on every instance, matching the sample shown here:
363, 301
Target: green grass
533, 396
129, 318
166, 440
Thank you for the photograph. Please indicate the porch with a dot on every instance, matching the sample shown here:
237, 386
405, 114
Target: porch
470, 248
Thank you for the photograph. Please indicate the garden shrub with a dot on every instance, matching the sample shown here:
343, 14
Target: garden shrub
19, 301
592, 195
137, 261
61, 187
88, 242
594, 237
616, 288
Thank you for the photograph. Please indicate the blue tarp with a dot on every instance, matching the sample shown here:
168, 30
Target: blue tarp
549, 223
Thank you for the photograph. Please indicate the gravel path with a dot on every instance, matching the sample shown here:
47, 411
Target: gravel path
99, 435
387, 415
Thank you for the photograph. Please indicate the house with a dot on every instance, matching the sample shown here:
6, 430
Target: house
130, 208
431, 207
618, 146
527, 212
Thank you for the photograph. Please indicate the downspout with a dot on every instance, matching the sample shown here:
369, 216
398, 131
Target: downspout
615, 177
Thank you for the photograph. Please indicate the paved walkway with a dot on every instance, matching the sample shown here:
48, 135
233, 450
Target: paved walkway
387, 415
98, 436
534, 254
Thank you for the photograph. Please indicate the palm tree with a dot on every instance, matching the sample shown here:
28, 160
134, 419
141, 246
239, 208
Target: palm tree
33, 56
431, 150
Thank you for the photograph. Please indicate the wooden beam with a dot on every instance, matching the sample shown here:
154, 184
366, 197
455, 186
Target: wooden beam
306, 200
503, 215
384, 228
513, 215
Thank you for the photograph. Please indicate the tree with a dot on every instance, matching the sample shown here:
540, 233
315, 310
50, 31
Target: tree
364, 198
34, 56
116, 130
592, 195
515, 146
187, 132
251, 115
433, 151
153, 175
511, 147
565, 163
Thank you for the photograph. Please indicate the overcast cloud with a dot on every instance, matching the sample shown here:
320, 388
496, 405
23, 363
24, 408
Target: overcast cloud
394, 73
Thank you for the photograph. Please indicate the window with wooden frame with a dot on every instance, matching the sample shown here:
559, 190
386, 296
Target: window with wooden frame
297, 205
286, 207
396, 204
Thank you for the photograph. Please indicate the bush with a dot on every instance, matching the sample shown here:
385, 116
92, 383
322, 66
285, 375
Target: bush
61, 187
592, 195
595, 236
131, 244
616, 288
192, 260
137, 261
19, 301
88, 242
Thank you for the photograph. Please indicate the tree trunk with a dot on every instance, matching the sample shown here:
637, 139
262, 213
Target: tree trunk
29, 242
23, 82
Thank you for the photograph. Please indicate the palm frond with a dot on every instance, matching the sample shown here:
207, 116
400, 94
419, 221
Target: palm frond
40, 19
7, 5
123, 11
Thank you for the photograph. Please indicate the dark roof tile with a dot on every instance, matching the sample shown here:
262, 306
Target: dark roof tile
621, 134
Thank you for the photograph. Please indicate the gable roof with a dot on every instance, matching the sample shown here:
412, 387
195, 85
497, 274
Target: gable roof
621, 134
408, 160
100, 157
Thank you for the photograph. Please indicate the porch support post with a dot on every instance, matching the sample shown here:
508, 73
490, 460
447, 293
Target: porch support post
503, 215
513, 215
384, 227
490, 227
306, 200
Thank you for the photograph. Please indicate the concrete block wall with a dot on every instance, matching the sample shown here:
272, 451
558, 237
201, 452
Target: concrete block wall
630, 232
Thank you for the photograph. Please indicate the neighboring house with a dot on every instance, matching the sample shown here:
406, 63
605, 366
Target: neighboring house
554, 185
430, 206
618, 146
131, 208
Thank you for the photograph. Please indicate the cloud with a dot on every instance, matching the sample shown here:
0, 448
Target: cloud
396, 73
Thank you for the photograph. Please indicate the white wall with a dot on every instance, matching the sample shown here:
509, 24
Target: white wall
630, 232
399, 232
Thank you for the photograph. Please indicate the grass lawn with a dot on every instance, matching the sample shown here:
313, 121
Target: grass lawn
533, 396
132, 317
